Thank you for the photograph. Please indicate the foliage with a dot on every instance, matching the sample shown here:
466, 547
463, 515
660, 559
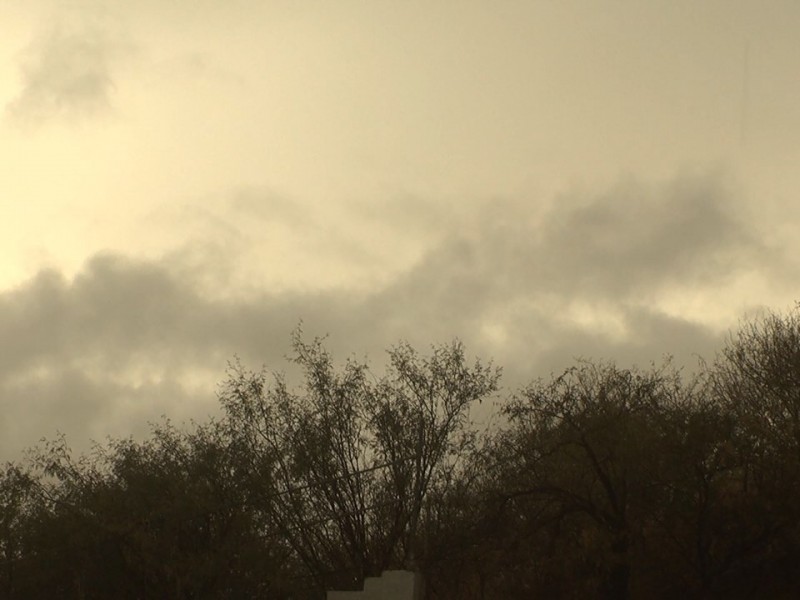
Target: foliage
602, 482
344, 467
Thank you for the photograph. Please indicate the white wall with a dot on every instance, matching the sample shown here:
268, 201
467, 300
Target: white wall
391, 585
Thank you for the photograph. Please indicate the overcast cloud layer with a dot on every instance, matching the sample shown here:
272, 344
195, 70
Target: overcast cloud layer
128, 340
182, 182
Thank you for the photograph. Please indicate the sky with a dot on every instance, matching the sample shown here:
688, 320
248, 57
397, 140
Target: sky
185, 182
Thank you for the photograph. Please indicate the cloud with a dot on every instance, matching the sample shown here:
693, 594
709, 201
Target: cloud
637, 236
127, 340
587, 278
623, 246
649, 336
67, 71
88, 407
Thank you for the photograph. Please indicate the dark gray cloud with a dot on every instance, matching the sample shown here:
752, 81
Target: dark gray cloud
636, 236
66, 72
620, 248
128, 340
121, 343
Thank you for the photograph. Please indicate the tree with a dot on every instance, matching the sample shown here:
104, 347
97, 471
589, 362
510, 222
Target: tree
756, 378
343, 467
16, 487
577, 474
187, 532
159, 518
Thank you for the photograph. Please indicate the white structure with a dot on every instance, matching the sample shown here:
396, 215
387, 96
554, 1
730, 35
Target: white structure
391, 585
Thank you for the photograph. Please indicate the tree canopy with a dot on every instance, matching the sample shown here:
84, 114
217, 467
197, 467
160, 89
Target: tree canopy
603, 481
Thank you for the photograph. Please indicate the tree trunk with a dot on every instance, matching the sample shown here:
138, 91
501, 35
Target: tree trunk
617, 581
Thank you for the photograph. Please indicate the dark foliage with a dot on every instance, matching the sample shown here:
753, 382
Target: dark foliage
604, 482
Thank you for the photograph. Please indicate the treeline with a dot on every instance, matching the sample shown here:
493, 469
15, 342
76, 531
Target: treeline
603, 482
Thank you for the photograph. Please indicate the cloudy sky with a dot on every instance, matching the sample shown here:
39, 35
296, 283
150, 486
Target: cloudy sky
182, 182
